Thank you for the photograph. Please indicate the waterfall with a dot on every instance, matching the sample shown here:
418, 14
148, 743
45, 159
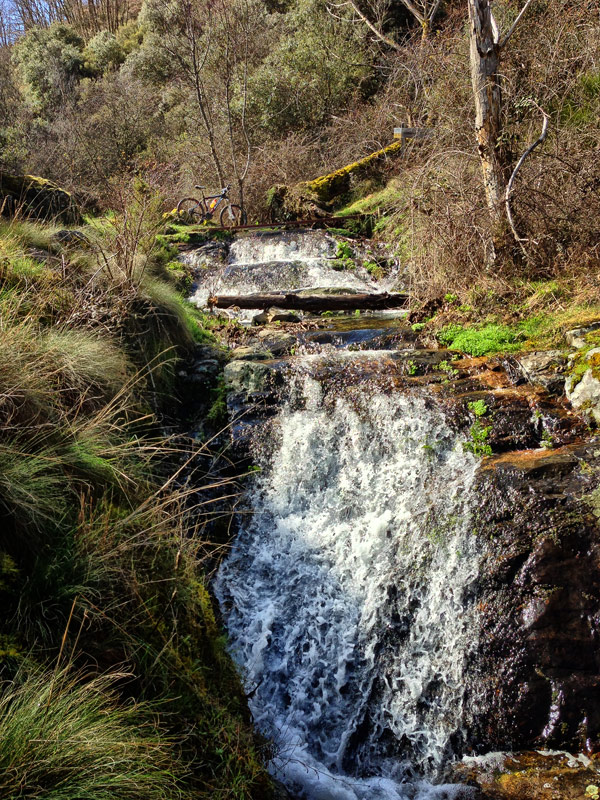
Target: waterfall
347, 593
278, 261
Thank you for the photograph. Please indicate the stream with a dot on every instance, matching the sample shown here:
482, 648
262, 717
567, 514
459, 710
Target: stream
346, 594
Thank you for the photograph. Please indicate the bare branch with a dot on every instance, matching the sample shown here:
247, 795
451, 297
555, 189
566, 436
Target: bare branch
414, 10
518, 166
512, 28
378, 33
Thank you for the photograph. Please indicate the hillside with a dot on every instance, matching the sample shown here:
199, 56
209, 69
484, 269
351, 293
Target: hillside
118, 493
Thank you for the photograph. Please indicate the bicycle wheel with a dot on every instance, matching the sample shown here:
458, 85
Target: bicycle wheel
231, 216
191, 209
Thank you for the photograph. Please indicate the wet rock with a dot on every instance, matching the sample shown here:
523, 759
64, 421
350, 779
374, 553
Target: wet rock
545, 368
536, 678
208, 255
532, 464
250, 354
275, 315
278, 342
540, 775
249, 377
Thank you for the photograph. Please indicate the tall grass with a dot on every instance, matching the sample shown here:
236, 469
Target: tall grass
64, 738
108, 522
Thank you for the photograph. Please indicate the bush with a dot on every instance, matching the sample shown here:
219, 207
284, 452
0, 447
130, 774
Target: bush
50, 62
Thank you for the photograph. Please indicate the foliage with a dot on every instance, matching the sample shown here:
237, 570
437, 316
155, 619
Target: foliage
103, 53
478, 407
103, 547
50, 62
479, 445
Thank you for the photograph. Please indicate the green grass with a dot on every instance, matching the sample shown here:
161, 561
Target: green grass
93, 522
62, 738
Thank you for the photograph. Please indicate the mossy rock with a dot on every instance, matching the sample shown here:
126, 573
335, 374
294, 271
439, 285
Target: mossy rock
38, 198
321, 195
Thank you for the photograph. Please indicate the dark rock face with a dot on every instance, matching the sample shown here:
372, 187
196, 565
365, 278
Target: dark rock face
536, 681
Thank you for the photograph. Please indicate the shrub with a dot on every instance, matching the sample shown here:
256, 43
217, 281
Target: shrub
50, 62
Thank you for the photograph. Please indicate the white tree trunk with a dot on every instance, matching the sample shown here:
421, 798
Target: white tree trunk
485, 56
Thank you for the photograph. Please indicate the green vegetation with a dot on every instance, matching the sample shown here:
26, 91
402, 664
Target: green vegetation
478, 407
446, 366
479, 445
479, 341
97, 541
103, 552
63, 737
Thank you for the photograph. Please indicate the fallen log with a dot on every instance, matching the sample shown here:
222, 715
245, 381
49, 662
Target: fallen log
316, 303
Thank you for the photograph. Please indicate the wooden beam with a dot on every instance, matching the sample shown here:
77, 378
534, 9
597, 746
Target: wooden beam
315, 303
412, 133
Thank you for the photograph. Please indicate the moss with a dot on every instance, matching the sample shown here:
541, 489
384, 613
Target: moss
326, 187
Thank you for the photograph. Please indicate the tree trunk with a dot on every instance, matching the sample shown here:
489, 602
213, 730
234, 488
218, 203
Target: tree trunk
485, 57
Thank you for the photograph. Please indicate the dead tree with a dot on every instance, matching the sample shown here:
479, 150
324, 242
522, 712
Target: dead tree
423, 11
486, 46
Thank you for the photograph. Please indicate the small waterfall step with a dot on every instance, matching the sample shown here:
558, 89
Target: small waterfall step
253, 272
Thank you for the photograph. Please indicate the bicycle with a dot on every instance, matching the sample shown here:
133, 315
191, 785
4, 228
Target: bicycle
204, 210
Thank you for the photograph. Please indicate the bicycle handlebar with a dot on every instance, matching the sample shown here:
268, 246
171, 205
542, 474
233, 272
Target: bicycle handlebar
224, 190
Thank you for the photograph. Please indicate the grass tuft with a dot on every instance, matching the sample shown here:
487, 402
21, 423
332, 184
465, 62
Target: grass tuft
65, 739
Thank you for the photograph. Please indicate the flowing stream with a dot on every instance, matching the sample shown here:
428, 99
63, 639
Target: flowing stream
347, 594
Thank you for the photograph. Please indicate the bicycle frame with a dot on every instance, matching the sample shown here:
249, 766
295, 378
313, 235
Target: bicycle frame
217, 199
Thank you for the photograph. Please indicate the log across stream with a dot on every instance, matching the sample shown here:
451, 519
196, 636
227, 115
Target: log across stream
314, 303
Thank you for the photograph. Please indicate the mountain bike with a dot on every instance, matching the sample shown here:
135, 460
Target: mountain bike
204, 210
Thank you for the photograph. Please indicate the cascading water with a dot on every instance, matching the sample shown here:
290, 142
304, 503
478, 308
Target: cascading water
279, 261
347, 594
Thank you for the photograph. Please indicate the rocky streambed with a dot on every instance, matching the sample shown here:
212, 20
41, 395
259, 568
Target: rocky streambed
465, 493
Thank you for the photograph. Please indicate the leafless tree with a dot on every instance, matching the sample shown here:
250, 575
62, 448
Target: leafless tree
210, 41
486, 47
376, 13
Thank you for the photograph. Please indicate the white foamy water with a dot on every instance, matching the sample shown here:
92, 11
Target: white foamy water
282, 261
347, 594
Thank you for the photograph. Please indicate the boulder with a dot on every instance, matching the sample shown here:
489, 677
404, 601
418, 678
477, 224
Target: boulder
545, 368
576, 337
250, 354
278, 342
585, 394
247, 378
38, 197
583, 390
275, 315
